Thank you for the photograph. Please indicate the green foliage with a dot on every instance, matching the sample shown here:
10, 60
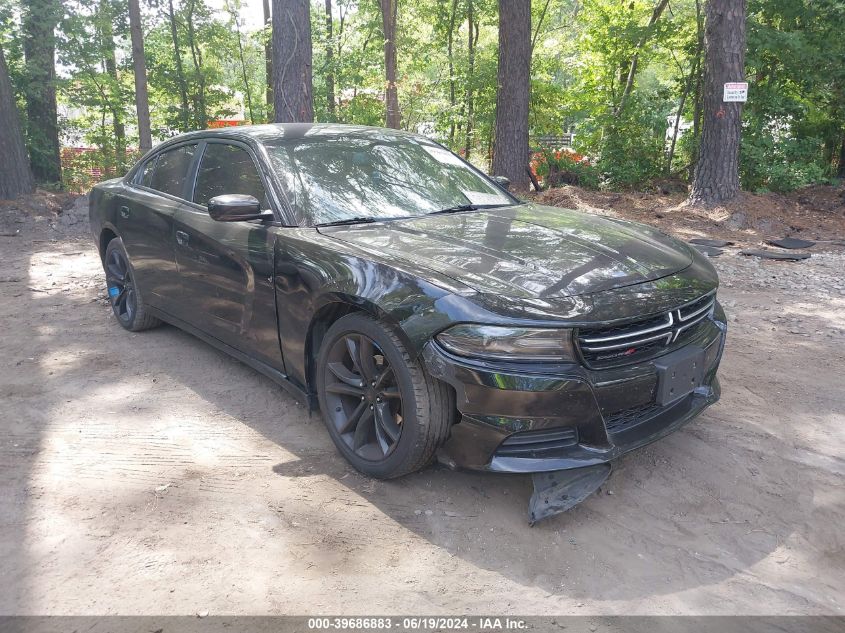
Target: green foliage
794, 122
82, 169
622, 133
13, 48
583, 52
630, 154
771, 161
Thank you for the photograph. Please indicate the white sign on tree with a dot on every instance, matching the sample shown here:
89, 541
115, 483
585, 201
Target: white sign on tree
736, 91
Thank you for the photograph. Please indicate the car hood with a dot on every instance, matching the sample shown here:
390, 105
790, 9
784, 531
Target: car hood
528, 251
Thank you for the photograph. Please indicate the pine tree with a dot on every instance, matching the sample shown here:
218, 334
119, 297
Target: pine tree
393, 117
510, 144
39, 21
15, 176
292, 59
717, 171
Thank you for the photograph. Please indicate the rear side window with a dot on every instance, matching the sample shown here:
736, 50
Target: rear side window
227, 169
146, 178
171, 170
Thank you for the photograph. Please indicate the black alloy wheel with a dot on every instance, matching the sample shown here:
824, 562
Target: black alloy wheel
363, 398
125, 296
384, 413
121, 287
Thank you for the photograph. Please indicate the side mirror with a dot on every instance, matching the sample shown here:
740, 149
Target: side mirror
235, 207
503, 182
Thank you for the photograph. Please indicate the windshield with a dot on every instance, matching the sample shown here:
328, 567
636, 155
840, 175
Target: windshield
356, 178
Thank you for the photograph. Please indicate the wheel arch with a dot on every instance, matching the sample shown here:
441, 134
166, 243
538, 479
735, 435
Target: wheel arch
334, 308
107, 234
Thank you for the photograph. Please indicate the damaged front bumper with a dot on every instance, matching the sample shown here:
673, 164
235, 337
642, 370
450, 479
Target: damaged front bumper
538, 418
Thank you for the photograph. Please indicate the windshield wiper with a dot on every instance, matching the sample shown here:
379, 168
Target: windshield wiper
456, 209
468, 207
355, 220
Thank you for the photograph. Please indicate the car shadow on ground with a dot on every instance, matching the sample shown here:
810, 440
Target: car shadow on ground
699, 507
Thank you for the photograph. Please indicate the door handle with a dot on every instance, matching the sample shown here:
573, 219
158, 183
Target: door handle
124, 212
182, 238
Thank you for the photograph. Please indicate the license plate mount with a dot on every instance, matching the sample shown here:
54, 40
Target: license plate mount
679, 374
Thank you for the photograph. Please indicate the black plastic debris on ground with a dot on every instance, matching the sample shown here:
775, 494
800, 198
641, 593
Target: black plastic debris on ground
560, 490
708, 250
700, 241
776, 255
791, 243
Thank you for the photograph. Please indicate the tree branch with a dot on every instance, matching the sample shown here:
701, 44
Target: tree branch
629, 83
539, 25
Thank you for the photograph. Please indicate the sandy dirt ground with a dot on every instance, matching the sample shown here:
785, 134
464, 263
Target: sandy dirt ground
150, 474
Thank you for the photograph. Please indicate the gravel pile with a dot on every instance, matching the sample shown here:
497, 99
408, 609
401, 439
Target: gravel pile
45, 215
822, 276
805, 299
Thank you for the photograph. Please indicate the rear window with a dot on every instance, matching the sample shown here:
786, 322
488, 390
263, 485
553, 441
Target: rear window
171, 170
146, 177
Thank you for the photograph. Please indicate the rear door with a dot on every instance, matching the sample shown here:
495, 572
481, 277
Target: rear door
145, 217
226, 268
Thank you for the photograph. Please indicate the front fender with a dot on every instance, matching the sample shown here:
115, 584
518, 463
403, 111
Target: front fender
316, 276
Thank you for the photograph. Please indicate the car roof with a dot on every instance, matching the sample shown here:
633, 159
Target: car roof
271, 132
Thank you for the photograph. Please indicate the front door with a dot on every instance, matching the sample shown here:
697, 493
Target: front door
226, 268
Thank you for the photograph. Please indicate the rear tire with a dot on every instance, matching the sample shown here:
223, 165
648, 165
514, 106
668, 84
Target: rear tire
385, 414
124, 295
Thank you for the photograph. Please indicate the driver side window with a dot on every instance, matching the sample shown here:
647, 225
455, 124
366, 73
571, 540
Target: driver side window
227, 169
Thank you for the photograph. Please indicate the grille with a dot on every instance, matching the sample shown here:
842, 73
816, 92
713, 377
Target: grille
644, 338
540, 443
629, 418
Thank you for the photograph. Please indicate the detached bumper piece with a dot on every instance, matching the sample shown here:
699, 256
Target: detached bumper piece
561, 490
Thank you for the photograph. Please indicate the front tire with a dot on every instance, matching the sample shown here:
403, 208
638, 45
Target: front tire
385, 414
124, 295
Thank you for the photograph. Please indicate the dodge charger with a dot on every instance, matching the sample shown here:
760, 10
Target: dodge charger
420, 306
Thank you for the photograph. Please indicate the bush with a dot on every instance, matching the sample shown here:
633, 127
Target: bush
770, 162
84, 167
631, 154
564, 167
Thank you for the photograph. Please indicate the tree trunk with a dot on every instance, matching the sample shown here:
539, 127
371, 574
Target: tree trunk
244, 75
840, 170
15, 176
699, 83
330, 99
180, 71
717, 172
450, 37
268, 56
40, 18
293, 90
510, 145
687, 88
201, 112
139, 66
115, 99
393, 117
472, 41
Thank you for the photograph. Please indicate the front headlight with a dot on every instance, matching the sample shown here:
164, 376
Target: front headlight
508, 343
